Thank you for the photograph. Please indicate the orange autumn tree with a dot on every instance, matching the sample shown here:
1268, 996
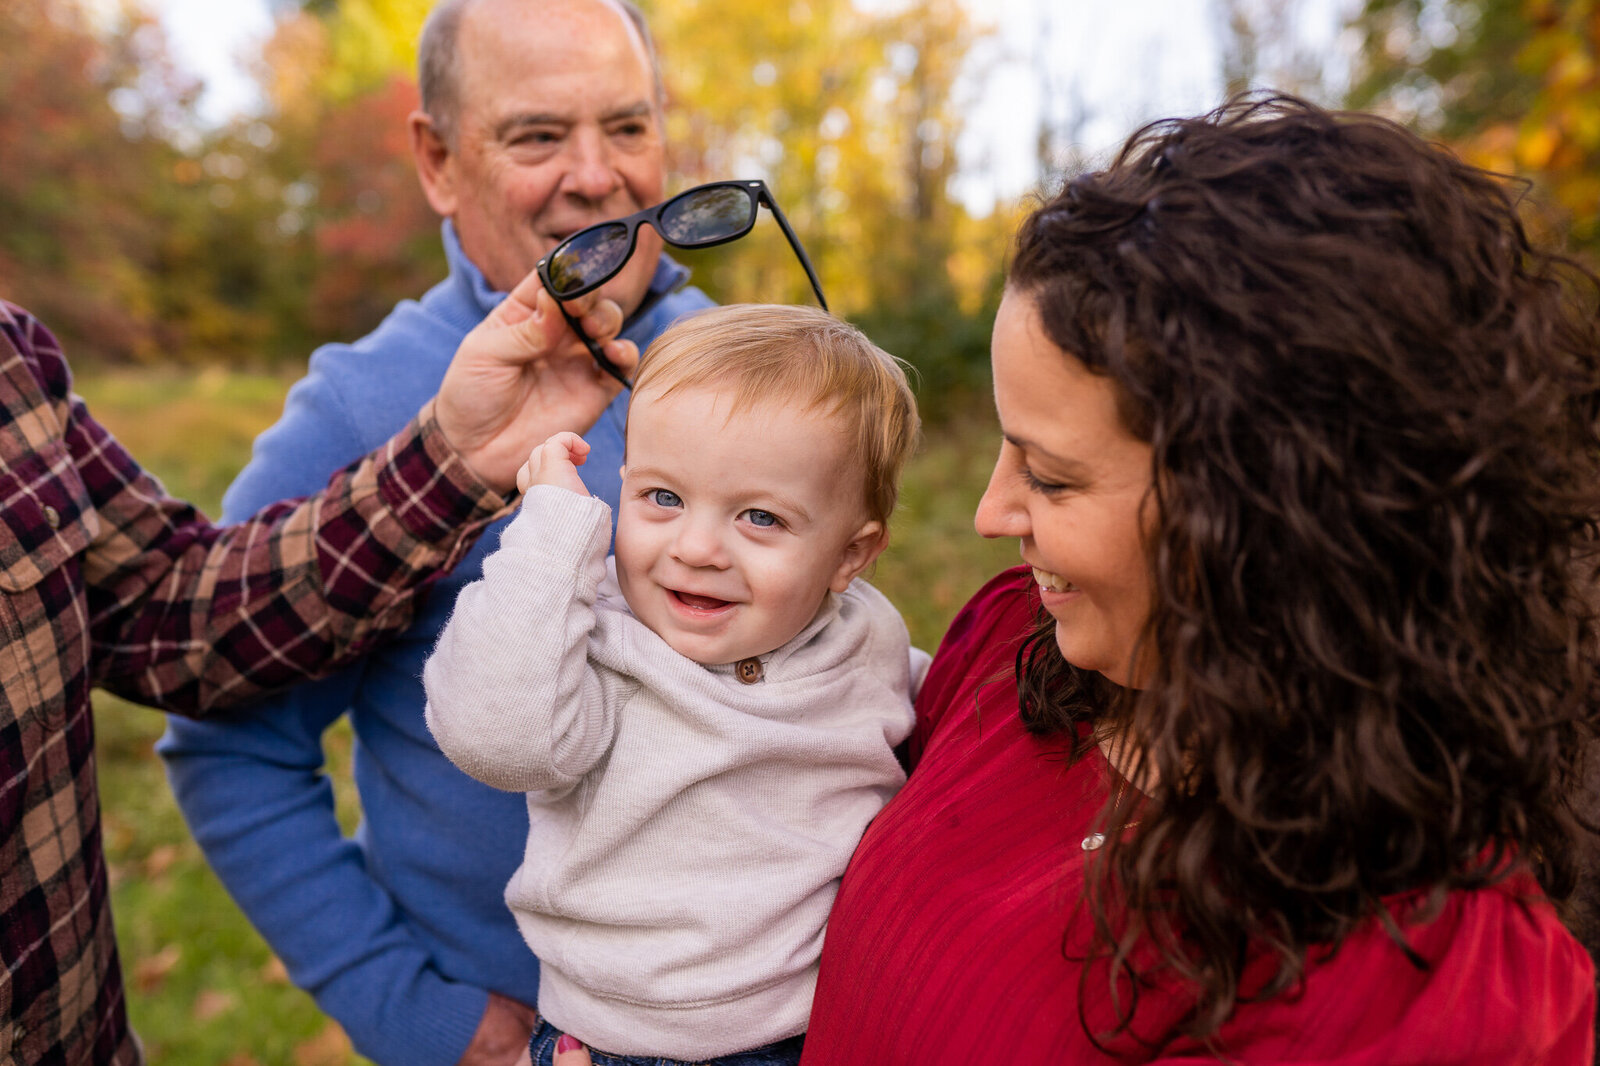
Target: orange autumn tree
86, 188
351, 231
1514, 85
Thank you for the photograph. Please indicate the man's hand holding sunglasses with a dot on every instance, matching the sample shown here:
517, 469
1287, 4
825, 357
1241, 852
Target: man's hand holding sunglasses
522, 375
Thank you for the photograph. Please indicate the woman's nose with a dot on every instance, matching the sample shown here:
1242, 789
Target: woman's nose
1000, 512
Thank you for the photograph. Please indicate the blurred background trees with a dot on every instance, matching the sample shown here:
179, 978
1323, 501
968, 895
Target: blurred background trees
1514, 85
145, 236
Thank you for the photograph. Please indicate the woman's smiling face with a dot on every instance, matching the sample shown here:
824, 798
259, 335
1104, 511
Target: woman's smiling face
1072, 484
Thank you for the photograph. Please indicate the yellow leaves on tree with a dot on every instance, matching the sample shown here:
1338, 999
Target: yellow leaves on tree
848, 113
1516, 89
370, 41
1557, 140
357, 46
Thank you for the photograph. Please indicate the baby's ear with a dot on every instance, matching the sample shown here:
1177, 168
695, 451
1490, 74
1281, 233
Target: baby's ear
861, 552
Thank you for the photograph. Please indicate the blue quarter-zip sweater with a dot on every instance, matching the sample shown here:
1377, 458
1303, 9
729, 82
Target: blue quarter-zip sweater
400, 932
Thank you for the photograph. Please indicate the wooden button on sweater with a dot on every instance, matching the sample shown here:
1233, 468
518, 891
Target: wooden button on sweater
751, 671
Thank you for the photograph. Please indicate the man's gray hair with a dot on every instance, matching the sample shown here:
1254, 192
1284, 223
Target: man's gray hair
436, 61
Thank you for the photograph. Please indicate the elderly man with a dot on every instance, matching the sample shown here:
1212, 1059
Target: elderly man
539, 117
109, 582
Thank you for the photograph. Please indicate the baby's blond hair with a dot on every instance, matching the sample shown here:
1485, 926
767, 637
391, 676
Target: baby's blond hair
766, 353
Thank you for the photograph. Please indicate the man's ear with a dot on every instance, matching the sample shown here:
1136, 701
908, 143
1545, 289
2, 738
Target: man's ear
861, 552
435, 163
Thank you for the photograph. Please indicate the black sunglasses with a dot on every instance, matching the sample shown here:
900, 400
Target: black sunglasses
701, 217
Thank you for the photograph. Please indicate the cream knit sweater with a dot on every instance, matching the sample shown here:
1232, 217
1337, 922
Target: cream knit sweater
687, 830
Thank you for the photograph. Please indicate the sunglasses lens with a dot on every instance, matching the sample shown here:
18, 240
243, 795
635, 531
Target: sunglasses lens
588, 258
705, 216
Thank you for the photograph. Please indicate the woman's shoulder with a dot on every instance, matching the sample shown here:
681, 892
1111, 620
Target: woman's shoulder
1502, 954
1500, 980
1004, 606
994, 618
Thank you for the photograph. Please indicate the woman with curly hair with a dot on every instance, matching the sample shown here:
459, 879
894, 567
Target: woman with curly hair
1269, 753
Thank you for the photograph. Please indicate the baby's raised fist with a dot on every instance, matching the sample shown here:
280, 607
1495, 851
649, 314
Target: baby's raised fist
556, 462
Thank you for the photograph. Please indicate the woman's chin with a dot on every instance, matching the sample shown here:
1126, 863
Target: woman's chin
1087, 654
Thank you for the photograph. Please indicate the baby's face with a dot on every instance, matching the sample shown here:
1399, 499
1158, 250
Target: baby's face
731, 531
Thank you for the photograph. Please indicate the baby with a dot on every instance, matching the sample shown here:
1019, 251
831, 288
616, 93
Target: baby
704, 723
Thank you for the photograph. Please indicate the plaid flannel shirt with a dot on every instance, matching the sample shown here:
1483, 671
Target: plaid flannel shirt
107, 581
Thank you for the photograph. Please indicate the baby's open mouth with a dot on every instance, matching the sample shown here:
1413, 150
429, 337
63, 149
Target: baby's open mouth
700, 603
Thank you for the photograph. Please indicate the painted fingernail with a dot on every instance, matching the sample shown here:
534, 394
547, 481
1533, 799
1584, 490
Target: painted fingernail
568, 1042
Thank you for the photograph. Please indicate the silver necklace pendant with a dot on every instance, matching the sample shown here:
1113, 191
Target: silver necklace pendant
1096, 841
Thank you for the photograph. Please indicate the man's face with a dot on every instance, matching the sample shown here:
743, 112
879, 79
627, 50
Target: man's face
557, 129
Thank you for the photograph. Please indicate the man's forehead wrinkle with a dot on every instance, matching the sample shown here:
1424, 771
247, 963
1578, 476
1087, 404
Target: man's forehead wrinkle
640, 109
576, 20
526, 119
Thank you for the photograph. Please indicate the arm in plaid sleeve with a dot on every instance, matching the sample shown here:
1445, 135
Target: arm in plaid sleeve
190, 616
106, 580
103, 578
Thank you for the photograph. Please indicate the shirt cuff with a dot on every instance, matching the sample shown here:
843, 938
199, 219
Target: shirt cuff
434, 495
566, 532
428, 1020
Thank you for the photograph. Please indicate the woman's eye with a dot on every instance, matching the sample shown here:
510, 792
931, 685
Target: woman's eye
764, 519
1044, 488
663, 498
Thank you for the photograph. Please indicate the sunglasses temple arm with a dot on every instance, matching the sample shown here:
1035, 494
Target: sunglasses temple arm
594, 349
799, 249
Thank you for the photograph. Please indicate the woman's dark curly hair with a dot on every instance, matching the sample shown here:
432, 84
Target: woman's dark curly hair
1372, 406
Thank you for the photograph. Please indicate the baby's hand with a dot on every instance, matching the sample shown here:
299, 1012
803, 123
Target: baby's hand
556, 462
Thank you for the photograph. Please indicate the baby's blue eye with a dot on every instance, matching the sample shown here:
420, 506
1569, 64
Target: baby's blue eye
663, 498
761, 518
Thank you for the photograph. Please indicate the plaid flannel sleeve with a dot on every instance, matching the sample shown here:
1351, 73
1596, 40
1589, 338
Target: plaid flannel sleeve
190, 616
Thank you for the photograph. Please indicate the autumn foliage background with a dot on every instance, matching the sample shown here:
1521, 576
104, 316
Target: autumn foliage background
144, 237
190, 270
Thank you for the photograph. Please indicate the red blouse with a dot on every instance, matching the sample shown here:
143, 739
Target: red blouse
950, 938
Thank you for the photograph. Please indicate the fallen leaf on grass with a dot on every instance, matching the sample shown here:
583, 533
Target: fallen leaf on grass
160, 860
211, 1002
150, 971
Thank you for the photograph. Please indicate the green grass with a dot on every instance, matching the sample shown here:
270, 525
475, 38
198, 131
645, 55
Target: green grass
203, 988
